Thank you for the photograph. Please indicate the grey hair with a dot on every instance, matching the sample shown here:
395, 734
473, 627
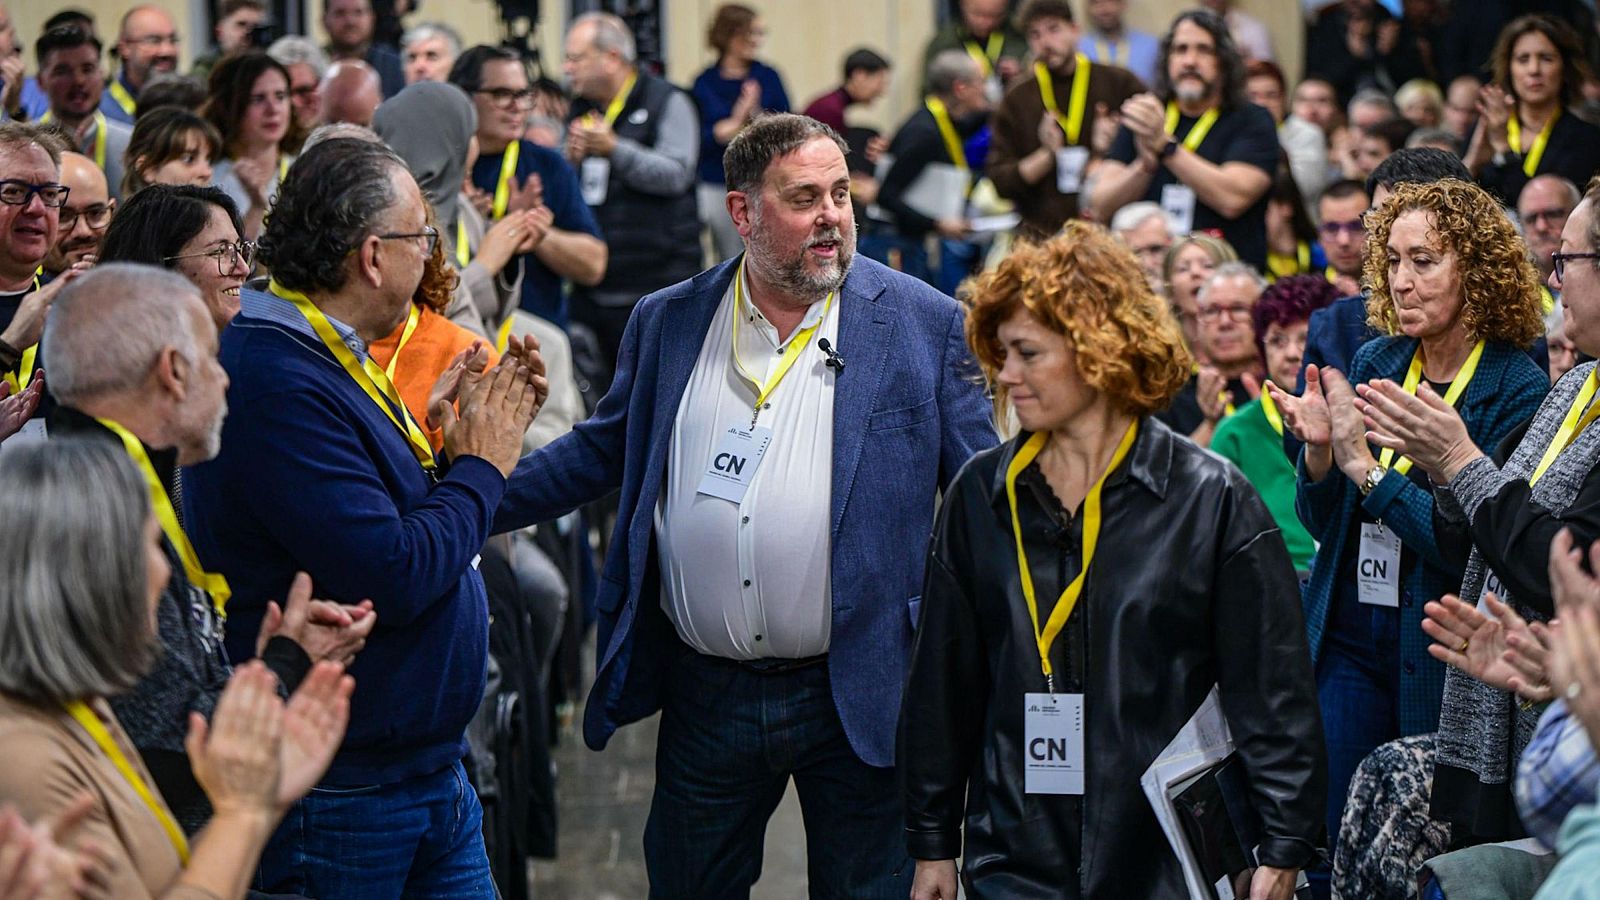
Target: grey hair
336, 194
296, 50
1372, 97
423, 31
75, 618
767, 137
1432, 137
1135, 214
1229, 271
108, 327
950, 67
611, 34
335, 130
18, 136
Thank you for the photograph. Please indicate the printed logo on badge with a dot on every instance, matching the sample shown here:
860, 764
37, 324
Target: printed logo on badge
734, 463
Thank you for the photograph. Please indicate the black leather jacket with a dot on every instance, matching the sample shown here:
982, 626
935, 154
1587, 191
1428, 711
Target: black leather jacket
1191, 586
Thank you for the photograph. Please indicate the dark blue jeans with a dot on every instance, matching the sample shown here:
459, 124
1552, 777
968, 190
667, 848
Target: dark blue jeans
419, 838
730, 741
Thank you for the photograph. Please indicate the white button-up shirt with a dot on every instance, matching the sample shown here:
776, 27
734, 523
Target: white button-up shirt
750, 580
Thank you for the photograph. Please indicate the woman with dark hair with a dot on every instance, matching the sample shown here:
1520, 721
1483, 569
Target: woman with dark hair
1525, 125
249, 107
1252, 438
194, 231
1041, 595
170, 146
730, 93
1292, 247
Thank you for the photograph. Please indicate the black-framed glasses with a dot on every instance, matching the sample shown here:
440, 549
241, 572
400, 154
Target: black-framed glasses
1559, 261
506, 98
1332, 230
97, 215
428, 231
1216, 313
225, 254
19, 193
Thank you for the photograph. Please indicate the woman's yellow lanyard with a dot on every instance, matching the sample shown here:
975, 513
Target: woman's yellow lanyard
23, 376
212, 583
796, 346
412, 318
990, 57
99, 133
283, 168
1197, 131
1091, 537
91, 723
1072, 123
1580, 415
123, 98
508, 171
947, 130
1270, 410
371, 379
1458, 386
1281, 266
1530, 162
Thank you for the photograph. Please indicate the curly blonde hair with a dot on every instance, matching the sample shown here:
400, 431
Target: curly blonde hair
1499, 285
1085, 285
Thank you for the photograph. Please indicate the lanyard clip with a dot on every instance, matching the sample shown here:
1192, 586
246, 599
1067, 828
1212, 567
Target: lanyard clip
1050, 684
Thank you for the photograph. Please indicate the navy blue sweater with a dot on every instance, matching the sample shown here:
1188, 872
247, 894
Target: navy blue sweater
313, 476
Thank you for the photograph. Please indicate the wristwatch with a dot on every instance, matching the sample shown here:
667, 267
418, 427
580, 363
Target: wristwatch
1374, 475
1169, 148
1503, 157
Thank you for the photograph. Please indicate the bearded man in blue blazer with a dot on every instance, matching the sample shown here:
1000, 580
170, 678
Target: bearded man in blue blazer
779, 428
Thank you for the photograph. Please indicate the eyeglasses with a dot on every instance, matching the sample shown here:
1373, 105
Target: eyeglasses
428, 231
1332, 230
304, 91
225, 254
1559, 261
506, 98
98, 215
1556, 217
20, 193
1239, 313
155, 40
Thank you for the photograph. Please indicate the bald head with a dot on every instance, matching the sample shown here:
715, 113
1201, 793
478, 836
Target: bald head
1543, 207
351, 92
85, 217
147, 43
107, 328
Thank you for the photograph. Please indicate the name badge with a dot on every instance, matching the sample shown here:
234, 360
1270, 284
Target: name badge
1378, 566
33, 428
594, 179
734, 463
1070, 163
1053, 743
1177, 200
1491, 584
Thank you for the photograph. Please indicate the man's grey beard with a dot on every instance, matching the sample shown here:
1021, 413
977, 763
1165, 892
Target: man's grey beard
1187, 93
791, 275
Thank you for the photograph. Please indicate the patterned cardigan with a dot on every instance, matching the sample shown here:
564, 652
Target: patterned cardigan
1504, 392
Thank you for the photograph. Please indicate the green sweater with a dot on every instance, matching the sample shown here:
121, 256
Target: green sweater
1247, 440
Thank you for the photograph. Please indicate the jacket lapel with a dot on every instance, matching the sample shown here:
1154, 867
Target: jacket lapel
866, 325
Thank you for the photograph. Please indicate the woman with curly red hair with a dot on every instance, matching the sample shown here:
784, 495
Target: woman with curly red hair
1099, 572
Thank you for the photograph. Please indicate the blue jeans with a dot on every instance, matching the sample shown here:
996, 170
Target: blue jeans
730, 741
957, 260
419, 838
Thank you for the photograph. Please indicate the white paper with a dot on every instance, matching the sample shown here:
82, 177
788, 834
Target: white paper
1378, 566
1070, 164
1178, 202
995, 223
1053, 743
1203, 741
734, 463
940, 191
594, 179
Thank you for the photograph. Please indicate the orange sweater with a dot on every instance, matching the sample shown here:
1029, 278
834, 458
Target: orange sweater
427, 354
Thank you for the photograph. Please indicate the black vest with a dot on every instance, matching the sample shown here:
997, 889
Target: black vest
654, 241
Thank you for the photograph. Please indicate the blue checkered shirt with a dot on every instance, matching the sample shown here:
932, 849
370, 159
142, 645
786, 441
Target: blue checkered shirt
1559, 771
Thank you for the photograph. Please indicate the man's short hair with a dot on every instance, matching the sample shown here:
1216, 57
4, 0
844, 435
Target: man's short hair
1034, 10
65, 37
69, 17
1393, 132
766, 138
1371, 97
1137, 213
1343, 189
1230, 271
467, 71
16, 136
170, 89
108, 327
1416, 165
334, 197
1432, 137
423, 31
611, 34
950, 67
292, 50
229, 7
864, 60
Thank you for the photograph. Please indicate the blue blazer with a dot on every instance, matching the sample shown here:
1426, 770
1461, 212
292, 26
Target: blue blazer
1504, 392
908, 412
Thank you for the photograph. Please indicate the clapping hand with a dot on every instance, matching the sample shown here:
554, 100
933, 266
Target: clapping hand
1211, 393
1575, 656
314, 723
1306, 416
235, 757
324, 630
17, 409
1504, 652
470, 361
1422, 427
495, 410
36, 864
1346, 429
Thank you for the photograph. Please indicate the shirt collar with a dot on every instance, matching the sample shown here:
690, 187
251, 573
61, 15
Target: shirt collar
1149, 462
269, 307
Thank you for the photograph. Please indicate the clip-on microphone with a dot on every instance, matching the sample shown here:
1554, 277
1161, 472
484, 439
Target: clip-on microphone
834, 361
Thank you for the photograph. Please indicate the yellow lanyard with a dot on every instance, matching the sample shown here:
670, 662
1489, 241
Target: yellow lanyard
371, 379
1530, 163
508, 170
502, 340
463, 252
283, 168
210, 582
121, 95
1107, 50
1331, 274
1270, 410
23, 376
1458, 386
1547, 299
987, 57
947, 130
1579, 416
97, 730
1091, 537
614, 109
1072, 123
99, 135
796, 346
411, 325
1280, 266
1197, 131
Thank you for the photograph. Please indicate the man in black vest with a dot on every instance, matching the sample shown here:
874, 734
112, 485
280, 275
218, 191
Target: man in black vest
635, 141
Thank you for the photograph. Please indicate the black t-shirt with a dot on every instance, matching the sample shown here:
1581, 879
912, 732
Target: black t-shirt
1183, 415
1243, 134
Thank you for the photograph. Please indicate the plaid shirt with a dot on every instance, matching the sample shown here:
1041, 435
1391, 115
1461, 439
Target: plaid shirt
1558, 772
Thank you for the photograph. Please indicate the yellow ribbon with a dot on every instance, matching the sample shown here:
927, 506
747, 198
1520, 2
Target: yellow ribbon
373, 381
990, 57
791, 352
508, 171
99, 136
1072, 123
1458, 386
1270, 410
1197, 131
23, 376
212, 583
463, 252
412, 318
947, 130
123, 98
614, 108
502, 339
1530, 162
1091, 537
1579, 416
91, 723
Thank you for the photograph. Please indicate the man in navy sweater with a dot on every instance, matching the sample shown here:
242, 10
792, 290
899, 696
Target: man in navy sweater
323, 470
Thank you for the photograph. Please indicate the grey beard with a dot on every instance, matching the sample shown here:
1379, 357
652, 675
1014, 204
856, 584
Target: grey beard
1188, 94
790, 275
